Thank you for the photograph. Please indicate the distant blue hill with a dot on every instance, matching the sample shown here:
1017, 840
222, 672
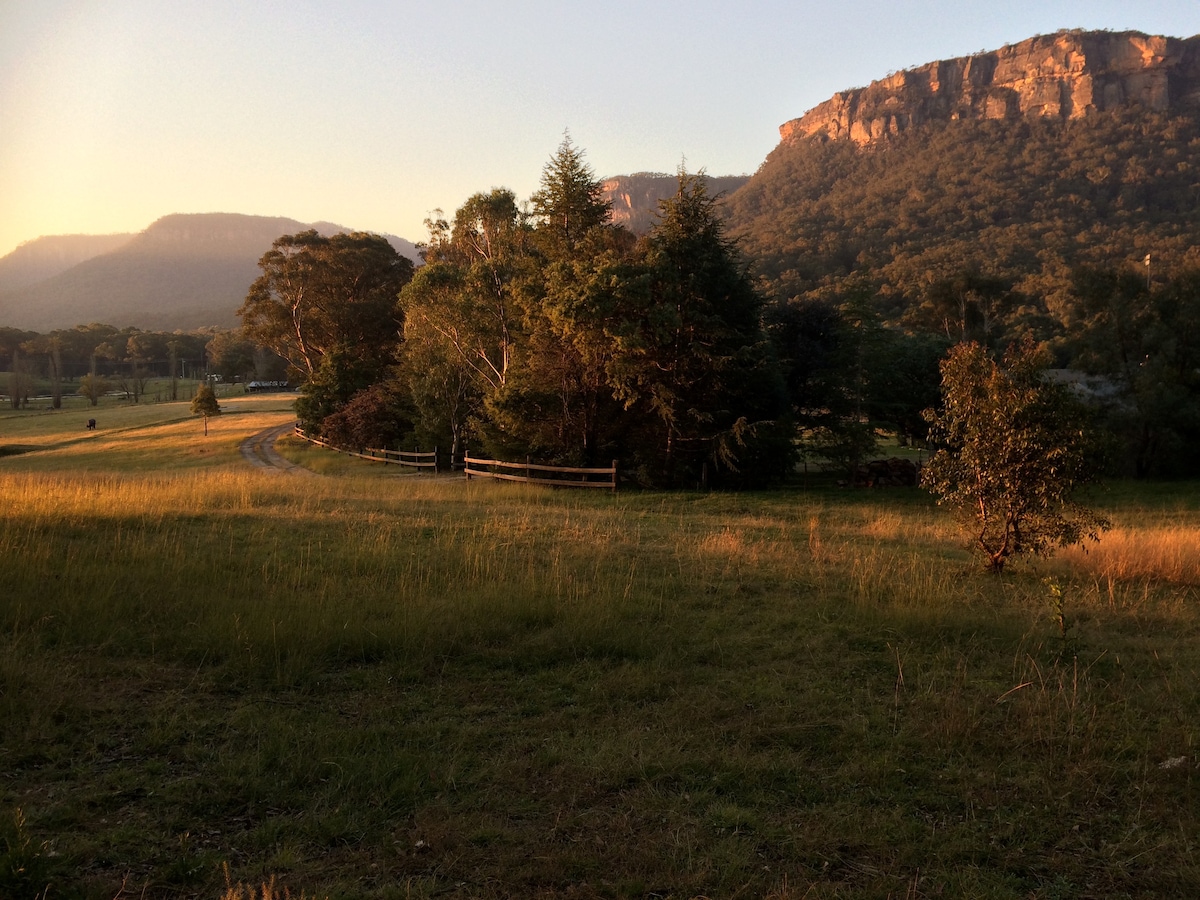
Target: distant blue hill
183, 272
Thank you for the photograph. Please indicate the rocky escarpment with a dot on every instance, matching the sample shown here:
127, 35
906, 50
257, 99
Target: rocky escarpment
635, 198
1066, 76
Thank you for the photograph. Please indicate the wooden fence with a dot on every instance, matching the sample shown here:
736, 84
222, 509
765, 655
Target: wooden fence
413, 458
555, 476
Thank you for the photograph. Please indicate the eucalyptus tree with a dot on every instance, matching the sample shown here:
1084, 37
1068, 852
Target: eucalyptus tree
51, 346
316, 293
463, 319
466, 296
1012, 449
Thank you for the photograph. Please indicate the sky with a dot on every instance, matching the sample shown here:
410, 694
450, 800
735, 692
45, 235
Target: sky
373, 114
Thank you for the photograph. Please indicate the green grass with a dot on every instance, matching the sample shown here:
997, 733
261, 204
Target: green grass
371, 685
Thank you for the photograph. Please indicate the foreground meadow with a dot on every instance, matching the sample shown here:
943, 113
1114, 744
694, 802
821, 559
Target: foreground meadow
377, 685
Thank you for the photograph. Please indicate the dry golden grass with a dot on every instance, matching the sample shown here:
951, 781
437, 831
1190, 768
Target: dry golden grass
1156, 553
389, 686
267, 890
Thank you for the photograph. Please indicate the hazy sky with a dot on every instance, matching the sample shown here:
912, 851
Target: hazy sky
372, 114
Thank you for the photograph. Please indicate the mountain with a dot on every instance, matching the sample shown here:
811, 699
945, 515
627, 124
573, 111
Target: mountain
45, 257
635, 198
1018, 165
1063, 76
182, 272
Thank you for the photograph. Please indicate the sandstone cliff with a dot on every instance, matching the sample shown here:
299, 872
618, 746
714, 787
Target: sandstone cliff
1066, 75
635, 198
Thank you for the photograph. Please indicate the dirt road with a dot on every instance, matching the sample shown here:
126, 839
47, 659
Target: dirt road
259, 450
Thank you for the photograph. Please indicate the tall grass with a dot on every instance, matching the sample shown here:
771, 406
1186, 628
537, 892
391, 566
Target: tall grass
1169, 553
239, 565
370, 685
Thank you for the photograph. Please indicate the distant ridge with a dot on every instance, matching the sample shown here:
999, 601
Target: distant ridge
184, 271
45, 257
1064, 76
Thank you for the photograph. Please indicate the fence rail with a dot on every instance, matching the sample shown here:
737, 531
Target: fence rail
474, 467
413, 458
555, 476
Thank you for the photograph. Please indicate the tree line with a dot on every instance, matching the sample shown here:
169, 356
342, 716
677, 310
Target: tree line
93, 359
541, 329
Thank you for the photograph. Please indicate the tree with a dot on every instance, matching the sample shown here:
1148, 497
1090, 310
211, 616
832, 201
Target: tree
965, 306
93, 387
205, 404
12, 343
570, 201
563, 402
443, 394
1146, 344
464, 296
18, 381
1012, 450
51, 346
339, 377
691, 354
560, 405
172, 359
318, 292
138, 349
378, 417
843, 431
231, 355
464, 315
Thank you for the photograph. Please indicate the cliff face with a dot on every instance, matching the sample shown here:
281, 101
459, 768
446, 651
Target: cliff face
635, 198
1066, 76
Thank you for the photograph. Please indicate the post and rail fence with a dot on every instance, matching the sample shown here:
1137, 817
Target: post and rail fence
554, 476
476, 467
413, 458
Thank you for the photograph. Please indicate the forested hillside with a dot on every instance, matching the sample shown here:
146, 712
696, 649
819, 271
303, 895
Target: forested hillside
46, 257
1024, 202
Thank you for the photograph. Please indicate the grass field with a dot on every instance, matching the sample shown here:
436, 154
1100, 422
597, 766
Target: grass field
378, 685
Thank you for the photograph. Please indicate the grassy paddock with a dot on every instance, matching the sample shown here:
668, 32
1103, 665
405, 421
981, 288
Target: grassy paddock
371, 685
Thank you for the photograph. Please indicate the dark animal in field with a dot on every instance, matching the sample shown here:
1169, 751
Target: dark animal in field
91, 424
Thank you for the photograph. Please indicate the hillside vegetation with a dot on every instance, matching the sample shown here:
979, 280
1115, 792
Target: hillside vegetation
1024, 201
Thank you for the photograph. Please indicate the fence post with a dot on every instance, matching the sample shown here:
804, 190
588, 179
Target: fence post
435, 459
614, 476
467, 462
528, 473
